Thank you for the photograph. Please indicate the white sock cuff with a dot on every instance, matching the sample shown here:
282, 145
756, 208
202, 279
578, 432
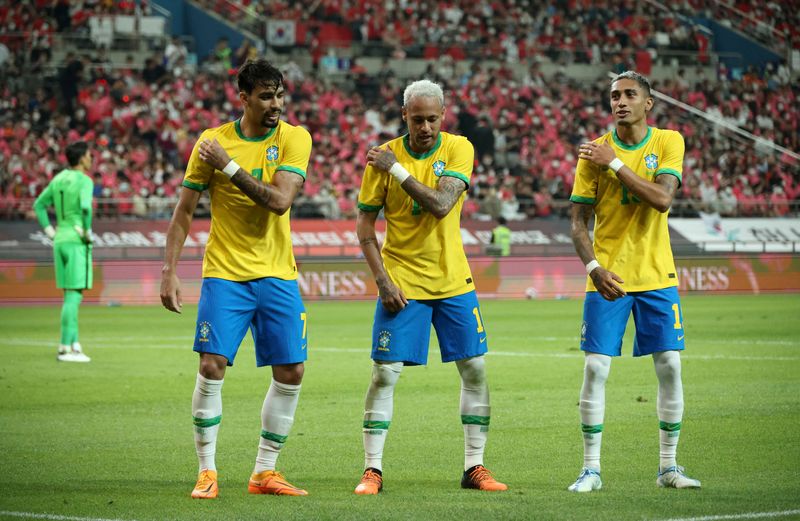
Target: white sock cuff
207, 385
286, 389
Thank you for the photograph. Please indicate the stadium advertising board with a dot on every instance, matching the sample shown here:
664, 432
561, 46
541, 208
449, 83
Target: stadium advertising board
138, 281
310, 238
323, 238
714, 233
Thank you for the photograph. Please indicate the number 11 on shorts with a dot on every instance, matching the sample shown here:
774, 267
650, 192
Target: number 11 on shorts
478, 319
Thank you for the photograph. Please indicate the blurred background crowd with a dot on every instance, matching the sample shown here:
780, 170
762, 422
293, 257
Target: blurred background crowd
502, 65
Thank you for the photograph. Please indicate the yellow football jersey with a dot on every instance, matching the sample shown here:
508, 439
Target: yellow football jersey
423, 255
247, 241
630, 237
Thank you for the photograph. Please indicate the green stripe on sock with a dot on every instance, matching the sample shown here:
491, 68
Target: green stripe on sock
669, 427
271, 436
206, 422
469, 419
592, 429
370, 424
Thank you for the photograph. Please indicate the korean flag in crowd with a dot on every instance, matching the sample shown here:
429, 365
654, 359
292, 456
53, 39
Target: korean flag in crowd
280, 32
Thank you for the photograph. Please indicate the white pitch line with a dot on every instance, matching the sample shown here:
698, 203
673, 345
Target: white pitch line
746, 515
183, 344
54, 517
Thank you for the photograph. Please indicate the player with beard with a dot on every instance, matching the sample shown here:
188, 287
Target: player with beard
419, 180
253, 168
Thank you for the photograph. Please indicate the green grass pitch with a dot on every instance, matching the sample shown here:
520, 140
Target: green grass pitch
113, 439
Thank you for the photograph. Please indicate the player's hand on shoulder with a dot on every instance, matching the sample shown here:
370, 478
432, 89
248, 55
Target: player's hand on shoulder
213, 153
607, 283
600, 154
381, 158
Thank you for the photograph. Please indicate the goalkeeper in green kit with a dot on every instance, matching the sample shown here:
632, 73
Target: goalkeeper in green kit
70, 194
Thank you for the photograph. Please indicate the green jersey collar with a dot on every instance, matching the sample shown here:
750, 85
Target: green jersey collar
239, 133
638, 145
423, 155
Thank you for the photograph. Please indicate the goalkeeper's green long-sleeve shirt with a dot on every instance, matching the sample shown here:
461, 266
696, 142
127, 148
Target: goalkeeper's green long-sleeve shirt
70, 193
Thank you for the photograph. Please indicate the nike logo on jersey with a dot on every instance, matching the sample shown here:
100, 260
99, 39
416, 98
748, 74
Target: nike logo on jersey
681, 338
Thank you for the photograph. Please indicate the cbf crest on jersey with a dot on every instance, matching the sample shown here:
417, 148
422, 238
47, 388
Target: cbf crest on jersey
651, 161
272, 153
438, 168
383, 340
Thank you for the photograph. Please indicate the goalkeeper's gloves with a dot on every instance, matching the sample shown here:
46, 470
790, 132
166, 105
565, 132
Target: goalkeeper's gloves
50, 231
85, 235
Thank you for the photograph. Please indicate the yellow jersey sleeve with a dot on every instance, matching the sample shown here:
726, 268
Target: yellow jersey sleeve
374, 185
297, 152
672, 159
585, 188
198, 172
463, 157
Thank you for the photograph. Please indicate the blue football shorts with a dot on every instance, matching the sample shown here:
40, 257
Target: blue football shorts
270, 307
657, 317
404, 336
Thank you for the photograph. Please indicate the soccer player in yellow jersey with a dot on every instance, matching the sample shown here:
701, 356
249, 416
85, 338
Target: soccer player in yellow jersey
628, 178
252, 168
423, 277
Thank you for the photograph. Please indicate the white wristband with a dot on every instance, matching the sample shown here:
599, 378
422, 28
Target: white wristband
616, 164
399, 173
591, 266
231, 168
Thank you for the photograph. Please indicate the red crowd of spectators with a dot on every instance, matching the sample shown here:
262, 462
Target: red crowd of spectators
143, 124
510, 30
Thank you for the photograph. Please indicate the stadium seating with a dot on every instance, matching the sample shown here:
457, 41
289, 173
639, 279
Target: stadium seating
525, 129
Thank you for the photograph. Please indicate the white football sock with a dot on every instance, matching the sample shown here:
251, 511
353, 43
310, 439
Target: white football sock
475, 409
206, 414
277, 417
592, 406
669, 405
378, 409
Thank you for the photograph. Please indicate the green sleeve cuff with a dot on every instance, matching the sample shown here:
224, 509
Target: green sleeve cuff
194, 186
292, 169
582, 200
369, 208
670, 171
457, 175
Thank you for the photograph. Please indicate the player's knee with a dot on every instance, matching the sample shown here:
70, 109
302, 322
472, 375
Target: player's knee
472, 370
386, 375
596, 368
212, 366
290, 374
668, 365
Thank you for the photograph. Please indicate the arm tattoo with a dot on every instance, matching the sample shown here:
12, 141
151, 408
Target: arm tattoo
259, 192
669, 182
437, 201
581, 213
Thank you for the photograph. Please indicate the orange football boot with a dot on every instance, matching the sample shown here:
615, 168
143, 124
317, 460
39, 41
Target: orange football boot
480, 478
273, 482
206, 487
371, 482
